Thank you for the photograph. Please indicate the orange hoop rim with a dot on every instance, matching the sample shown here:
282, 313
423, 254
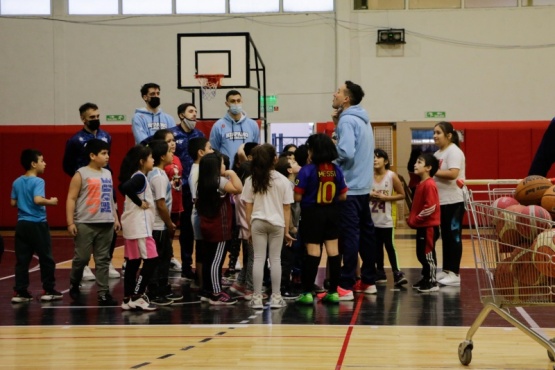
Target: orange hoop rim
213, 79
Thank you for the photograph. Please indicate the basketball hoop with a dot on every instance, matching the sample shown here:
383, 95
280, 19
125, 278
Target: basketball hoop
208, 85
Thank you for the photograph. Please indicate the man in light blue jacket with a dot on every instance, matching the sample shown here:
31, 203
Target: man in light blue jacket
355, 146
150, 119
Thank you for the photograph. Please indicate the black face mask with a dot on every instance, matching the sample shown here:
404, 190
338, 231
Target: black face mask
154, 102
93, 124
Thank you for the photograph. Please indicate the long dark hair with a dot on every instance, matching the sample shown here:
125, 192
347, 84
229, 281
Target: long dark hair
263, 157
208, 198
447, 129
132, 162
322, 147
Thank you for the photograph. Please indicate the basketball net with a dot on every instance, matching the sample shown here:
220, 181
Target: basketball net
208, 85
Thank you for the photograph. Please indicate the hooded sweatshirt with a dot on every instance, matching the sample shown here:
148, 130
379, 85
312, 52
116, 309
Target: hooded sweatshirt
146, 123
227, 135
355, 146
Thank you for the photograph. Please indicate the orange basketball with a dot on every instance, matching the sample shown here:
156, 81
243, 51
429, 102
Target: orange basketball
523, 268
502, 203
504, 280
544, 253
532, 221
530, 190
548, 200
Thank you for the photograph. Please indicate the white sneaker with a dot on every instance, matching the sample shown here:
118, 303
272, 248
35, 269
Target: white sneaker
142, 303
450, 279
175, 266
113, 273
256, 302
440, 275
277, 301
88, 275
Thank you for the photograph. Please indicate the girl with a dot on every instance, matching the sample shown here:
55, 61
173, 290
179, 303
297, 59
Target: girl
451, 167
386, 190
268, 197
320, 187
174, 171
213, 205
137, 222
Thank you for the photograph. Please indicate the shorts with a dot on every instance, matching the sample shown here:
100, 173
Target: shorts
144, 248
319, 223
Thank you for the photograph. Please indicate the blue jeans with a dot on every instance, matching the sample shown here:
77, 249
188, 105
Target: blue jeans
357, 237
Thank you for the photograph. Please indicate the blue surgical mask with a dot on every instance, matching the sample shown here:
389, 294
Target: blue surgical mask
235, 108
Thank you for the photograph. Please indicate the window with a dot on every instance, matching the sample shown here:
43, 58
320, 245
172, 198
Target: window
307, 6
200, 7
380, 4
147, 7
537, 2
27, 7
88, 7
489, 3
434, 4
249, 6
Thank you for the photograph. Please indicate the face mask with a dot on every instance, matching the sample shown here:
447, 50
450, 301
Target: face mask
93, 124
154, 102
235, 108
189, 124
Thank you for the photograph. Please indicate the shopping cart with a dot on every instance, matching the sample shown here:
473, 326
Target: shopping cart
510, 272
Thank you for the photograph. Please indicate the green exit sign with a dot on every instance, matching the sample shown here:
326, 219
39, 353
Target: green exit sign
436, 115
115, 117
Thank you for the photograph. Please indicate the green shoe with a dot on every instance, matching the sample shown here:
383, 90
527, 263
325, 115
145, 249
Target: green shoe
305, 298
331, 298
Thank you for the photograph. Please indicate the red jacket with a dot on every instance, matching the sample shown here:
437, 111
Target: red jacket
425, 205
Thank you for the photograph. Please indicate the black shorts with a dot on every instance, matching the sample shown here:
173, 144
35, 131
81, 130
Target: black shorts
319, 223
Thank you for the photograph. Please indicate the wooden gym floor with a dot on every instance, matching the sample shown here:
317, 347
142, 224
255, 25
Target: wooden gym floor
397, 328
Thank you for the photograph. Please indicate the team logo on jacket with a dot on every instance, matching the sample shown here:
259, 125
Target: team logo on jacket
237, 135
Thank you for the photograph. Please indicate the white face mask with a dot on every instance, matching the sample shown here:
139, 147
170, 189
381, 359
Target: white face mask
189, 124
235, 108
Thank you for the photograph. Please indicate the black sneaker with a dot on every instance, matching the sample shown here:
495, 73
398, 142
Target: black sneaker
399, 278
174, 296
22, 296
418, 284
106, 300
289, 295
74, 291
188, 275
221, 298
161, 301
427, 287
51, 295
381, 278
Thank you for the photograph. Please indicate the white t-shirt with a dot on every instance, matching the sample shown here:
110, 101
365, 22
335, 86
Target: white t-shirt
193, 180
383, 212
161, 189
449, 191
269, 206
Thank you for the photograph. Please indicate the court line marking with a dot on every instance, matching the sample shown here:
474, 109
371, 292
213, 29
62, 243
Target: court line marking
347, 338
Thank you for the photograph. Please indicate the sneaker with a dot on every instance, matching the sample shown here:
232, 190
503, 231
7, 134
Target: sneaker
74, 291
88, 275
317, 289
188, 275
277, 301
305, 298
238, 289
106, 300
360, 287
173, 296
256, 302
51, 295
22, 296
418, 284
440, 275
175, 266
161, 301
141, 303
221, 299
427, 287
345, 294
288, 295
204, 296
113, 273
381, 278
331, 298
399, 278
125, 304
450, 279
227, 282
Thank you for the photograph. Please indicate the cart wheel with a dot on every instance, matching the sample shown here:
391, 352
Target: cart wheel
552, 340
465, 352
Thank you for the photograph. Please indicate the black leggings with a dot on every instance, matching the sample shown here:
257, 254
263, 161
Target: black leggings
133, 285
451, 236
384, 237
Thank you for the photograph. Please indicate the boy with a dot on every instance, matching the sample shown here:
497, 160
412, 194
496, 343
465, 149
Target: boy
198, 148
32, 234
425, 218
91, 219
159, 289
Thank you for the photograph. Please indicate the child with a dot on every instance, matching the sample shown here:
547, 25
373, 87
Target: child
159, 290
320, 187
91, 219
174, 170
32, 234
289, 168
213, 205
268, 196
387, 189
198, 148
137, 221
425, 218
